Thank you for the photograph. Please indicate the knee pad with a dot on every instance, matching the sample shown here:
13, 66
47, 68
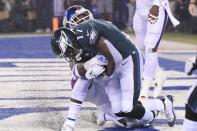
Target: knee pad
137, 113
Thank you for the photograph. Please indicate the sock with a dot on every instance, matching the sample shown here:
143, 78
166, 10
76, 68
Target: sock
150, 66
73, 111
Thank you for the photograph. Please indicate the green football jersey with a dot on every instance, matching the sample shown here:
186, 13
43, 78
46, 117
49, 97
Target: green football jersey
89, 33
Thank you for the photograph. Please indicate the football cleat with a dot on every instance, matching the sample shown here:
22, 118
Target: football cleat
169, 110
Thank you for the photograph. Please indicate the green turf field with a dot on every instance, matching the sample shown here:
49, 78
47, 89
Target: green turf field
177, 37
181, 37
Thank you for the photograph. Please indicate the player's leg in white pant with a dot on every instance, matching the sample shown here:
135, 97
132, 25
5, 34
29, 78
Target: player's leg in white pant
127, 83
79, 94
113, 92
159, 81
151, 62
130, 81
139, 26
98, 96
151, 42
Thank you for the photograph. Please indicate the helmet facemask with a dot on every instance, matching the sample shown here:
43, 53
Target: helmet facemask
68, 49
80, 16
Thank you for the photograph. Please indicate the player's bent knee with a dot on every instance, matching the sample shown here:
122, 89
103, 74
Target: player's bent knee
151, 50
137, 112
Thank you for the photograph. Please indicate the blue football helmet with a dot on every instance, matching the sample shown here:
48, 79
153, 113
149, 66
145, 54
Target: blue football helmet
76, 14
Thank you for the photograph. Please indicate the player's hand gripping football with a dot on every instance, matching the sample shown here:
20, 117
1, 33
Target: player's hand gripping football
94, 72
153, 14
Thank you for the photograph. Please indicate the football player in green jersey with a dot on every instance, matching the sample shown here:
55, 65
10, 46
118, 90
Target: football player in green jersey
97, 36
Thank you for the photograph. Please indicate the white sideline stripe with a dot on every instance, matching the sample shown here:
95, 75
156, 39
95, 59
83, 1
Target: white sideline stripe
12, 69
24, 35
33, 73
33, 60
41, 64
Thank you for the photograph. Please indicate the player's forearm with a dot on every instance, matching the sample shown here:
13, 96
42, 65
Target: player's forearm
110, 67
79, 70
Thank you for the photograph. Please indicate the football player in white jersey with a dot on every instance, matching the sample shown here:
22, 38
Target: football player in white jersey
150, 20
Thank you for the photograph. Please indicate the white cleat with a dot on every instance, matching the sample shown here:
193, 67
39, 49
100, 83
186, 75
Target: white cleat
159, 82
67, 128
169, 110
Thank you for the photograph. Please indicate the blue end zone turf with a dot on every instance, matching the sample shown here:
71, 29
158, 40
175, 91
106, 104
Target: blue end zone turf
123, 129
7, 64
30, 47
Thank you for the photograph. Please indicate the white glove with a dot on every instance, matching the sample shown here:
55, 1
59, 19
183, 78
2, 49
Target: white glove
95, 71
97, 60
